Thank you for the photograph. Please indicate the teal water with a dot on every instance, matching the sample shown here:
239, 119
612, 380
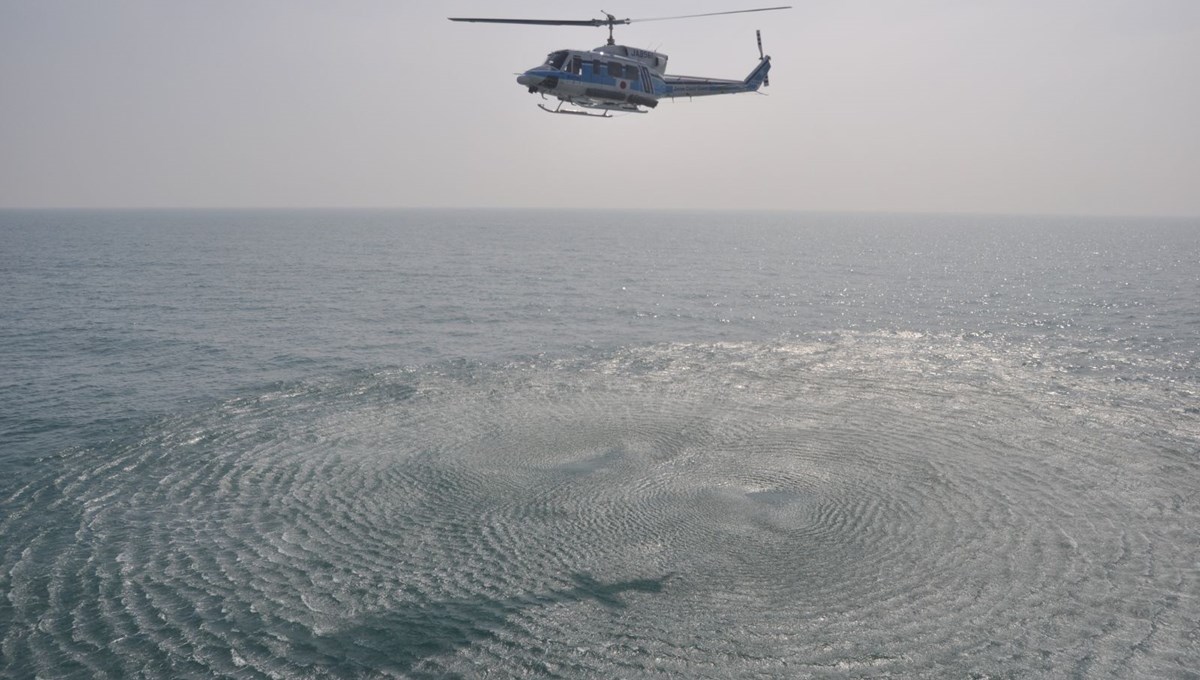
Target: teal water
570, 444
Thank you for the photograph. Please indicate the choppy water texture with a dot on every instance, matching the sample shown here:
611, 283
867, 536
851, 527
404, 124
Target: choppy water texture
859, 502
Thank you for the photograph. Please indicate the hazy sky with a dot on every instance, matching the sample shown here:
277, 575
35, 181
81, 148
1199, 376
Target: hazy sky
1011, 106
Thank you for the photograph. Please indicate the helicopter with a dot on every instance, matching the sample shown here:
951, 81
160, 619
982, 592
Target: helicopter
620, 78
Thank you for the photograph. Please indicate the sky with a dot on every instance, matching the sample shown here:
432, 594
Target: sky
1087, 107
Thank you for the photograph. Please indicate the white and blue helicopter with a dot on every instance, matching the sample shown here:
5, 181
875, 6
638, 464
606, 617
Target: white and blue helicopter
619, 78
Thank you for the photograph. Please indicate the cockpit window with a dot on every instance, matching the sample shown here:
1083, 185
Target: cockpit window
556, 59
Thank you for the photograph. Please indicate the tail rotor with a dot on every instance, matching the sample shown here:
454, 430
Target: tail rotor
761, 56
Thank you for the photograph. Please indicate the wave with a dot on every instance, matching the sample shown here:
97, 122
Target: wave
878, 503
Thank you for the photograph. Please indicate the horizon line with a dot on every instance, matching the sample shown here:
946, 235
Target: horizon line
606, 209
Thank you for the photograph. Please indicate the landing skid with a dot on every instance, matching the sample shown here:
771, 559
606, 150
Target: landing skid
590, 104
572, 112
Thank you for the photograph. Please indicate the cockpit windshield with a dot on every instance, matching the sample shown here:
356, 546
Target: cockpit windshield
556, 59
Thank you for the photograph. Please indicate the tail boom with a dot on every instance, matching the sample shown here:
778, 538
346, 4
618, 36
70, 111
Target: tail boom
689, 86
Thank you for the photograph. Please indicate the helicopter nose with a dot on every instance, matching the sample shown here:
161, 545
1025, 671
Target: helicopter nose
536, 82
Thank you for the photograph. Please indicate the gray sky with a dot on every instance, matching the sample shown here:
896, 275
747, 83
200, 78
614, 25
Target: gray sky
1008, 106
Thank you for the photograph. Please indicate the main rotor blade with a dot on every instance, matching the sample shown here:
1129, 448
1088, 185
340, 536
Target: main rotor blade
710, 14
544, 22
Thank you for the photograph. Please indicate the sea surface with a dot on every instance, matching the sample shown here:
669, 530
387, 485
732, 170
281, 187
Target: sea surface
426, 444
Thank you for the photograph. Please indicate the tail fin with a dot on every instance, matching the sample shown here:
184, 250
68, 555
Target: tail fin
758, 76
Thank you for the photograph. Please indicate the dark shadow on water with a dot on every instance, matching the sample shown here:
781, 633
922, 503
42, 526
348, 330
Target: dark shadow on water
398, 641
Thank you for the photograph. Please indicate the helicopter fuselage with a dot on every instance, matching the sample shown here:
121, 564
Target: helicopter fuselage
622, 78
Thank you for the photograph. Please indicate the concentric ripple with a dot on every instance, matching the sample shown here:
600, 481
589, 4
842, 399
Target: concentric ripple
862, 504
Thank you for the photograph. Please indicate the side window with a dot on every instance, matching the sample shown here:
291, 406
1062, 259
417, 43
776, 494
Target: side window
597, 68
576, 66
631, 73
614, 69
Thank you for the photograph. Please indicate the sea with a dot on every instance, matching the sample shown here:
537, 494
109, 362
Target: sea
598, 444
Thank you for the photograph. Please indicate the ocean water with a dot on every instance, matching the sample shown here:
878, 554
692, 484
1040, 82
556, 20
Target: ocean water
358, 444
